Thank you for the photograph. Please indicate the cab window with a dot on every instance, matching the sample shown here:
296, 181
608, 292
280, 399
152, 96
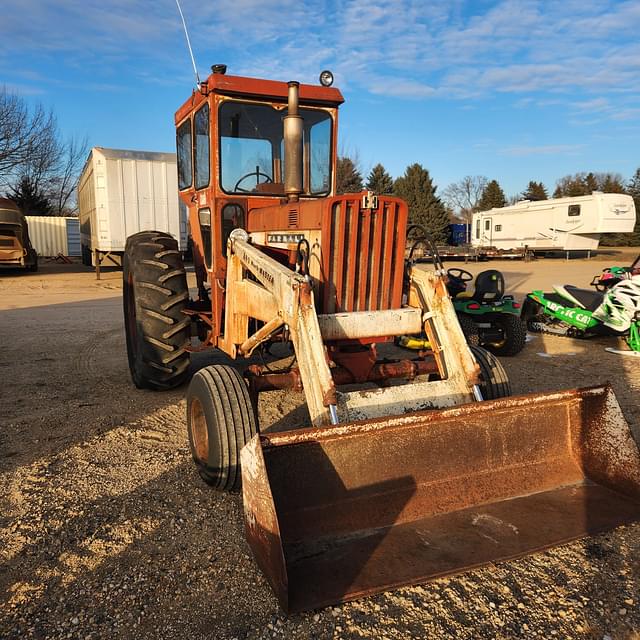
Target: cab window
201, 133
183, 146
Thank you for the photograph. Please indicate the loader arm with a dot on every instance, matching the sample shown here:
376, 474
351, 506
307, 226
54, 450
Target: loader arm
278, 296
285, 297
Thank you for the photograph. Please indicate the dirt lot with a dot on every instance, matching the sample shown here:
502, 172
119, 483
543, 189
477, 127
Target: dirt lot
106, 530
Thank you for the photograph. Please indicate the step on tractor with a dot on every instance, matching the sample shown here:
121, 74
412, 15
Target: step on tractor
409, 468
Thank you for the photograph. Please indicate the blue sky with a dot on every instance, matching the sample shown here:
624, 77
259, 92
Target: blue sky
511, 89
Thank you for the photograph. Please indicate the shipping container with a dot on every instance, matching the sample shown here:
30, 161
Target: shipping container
121, 192
566, 224
459, 234
54, 235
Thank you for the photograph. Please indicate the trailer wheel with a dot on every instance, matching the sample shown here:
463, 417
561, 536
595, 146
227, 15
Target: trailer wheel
469, 329
221, 419
154, 295
494, 382
515, 335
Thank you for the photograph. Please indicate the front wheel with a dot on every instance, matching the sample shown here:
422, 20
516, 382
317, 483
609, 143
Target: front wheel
154, 295
221, 419
494, 382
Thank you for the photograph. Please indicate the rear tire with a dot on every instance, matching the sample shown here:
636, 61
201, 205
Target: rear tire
515, 335
221, 419
469, 329
155, 293
494, 382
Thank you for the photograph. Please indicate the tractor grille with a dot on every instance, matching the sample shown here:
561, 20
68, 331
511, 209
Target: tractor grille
365, 258
6, 242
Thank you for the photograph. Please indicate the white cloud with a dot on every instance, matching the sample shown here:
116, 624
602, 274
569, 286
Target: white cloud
551, 149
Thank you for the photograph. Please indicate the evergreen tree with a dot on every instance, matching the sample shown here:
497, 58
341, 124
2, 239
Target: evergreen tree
492, 197
633, 189
626, 239
590, 183
29, 197
416, 188
348, 178
584, 184
535, 191
379, 181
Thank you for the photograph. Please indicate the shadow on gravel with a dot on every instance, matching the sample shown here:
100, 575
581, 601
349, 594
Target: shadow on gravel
168, 559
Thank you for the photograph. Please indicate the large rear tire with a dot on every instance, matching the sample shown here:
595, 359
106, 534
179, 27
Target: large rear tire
494, 382
221, 419
469, 329
514, 331
155, 293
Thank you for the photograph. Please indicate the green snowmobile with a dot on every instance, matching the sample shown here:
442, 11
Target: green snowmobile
582, 313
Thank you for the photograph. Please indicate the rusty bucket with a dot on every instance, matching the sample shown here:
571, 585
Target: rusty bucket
337, 513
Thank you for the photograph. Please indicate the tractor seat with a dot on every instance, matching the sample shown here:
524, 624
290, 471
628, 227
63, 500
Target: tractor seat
489, 286
586, 298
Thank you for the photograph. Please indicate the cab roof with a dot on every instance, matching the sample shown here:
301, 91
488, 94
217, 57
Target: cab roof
262, 89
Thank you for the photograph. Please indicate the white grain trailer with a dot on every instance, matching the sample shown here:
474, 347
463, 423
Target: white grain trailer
560, 224
122, 192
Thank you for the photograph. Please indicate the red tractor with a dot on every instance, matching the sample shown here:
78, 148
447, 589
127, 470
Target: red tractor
344, 507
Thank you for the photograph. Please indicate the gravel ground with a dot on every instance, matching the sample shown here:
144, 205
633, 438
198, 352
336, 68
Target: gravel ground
106, 530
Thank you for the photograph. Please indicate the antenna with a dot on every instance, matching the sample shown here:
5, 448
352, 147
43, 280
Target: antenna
186, 33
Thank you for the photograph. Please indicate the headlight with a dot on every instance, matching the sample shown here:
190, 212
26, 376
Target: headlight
326, 78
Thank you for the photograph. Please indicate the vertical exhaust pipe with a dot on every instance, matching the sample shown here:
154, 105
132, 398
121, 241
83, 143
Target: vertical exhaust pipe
293, 146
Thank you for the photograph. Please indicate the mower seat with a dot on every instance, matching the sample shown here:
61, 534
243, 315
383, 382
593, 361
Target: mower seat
489, 286
585, 298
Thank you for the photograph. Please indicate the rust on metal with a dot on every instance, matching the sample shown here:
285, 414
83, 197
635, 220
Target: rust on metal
397, 501
262, 380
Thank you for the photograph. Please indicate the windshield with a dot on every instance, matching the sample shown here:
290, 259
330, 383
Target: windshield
252, 149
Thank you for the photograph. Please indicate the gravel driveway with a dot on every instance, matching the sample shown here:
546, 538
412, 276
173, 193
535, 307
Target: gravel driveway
106, 530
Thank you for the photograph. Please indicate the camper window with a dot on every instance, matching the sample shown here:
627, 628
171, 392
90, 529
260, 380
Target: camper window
498, 227
487, 225
574, 209
477, 229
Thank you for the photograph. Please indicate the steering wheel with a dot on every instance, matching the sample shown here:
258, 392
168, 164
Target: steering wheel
256, 174
459, 274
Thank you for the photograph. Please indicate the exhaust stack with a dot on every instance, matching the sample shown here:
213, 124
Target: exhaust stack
293, 146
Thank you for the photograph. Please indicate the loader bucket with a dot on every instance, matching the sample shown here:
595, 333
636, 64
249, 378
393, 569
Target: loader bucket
337, 513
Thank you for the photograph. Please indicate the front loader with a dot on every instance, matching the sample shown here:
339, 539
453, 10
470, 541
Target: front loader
414, 464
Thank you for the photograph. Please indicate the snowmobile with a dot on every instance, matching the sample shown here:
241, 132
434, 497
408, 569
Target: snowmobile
613, 275
583, 313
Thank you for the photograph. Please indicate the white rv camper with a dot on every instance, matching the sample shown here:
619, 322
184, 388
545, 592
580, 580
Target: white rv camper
561, 224
122, 192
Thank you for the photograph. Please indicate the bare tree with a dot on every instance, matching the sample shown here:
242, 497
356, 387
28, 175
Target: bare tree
62, 184
463, 196
26, 137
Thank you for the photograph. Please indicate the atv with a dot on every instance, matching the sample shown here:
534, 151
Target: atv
583, 313
488, 317
613, 275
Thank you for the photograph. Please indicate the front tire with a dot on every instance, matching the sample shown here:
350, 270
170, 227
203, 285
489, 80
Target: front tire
221, 419
494, 382
155, 293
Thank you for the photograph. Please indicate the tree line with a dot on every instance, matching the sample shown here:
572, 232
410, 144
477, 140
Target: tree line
39, 168
460, 200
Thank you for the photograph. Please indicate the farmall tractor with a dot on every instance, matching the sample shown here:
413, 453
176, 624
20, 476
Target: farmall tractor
404, 472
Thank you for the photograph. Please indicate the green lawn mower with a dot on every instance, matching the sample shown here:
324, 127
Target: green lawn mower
488, 317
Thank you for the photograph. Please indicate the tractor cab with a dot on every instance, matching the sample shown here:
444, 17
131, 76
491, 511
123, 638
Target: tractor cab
244, 145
